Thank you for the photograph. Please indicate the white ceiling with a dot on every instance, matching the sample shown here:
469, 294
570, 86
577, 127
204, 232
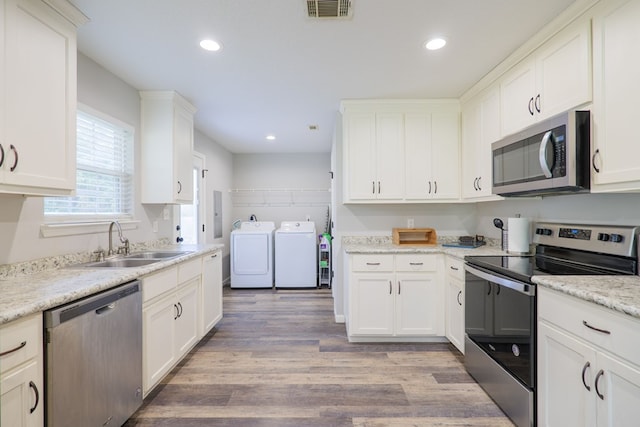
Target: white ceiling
279, 71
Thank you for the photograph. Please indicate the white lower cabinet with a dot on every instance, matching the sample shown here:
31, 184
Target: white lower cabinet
21, 373
394, 296
454, 297
211, 291
586, 377
171, 319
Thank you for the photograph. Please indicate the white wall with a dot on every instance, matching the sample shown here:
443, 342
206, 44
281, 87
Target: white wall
219, 165
20, 218
278, 171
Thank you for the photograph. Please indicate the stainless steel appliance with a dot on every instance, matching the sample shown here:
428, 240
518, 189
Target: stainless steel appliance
93, 363
501, 311
549, 157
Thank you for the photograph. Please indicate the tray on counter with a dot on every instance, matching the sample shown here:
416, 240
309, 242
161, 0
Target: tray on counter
414, 236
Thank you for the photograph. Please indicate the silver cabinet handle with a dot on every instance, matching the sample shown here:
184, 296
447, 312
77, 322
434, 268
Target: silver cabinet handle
602, 331
214, 256
429, 187
180, 307
416, 263
531, 106
378, 187
458, 298
435, 187
537, 103
454, 268
13, 350
479, 179
584, 371
34, 387
399, 287
177, 311
597, 381
390, 287
179, 187
475, 183
373, 263
1, 155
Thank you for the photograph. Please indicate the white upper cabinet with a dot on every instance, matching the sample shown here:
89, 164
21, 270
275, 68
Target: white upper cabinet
38, 97
616, 37
555, 78
396, 152
432, 155
374, 149
167, 148
480, 128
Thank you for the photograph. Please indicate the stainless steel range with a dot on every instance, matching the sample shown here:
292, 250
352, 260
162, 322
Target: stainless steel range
501, 311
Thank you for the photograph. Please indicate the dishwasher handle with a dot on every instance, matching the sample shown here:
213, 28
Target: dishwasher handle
99, 303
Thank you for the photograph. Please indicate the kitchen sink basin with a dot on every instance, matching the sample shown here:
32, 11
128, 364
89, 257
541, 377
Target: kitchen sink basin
120, 263
157, 255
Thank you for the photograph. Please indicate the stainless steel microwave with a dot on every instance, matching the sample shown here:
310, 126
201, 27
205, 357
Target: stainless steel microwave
550, 157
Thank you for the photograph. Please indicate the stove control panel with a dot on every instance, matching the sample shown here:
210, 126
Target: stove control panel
606, 239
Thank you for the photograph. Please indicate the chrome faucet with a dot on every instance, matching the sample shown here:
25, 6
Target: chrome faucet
123, 240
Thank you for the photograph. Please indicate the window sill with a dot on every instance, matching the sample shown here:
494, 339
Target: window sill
58, 229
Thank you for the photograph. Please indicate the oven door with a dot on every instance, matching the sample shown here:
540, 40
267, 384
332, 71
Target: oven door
500, 318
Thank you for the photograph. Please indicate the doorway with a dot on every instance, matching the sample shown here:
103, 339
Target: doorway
192, 216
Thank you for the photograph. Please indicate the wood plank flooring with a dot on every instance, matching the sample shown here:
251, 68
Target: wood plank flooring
278, 359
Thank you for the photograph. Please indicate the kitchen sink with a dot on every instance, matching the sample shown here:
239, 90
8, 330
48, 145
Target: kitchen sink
157, 255
120, 263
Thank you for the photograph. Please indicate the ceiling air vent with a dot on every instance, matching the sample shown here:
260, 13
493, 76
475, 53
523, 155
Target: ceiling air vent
329, 8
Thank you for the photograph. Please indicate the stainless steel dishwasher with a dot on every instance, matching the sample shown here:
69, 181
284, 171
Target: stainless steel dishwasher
93, 364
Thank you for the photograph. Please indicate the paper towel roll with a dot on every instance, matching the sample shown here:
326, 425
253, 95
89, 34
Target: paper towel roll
519, 232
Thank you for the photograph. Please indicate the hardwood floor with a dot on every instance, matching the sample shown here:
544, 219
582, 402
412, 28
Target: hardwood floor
278, 359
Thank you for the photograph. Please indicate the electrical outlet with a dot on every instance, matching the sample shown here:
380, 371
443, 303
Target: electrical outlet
155, 226
410, 223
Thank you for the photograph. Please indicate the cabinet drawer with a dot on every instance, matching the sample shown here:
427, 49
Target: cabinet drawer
377, 262
189, 269
416, 262
570, 313
455, 267
159, 283
20, 341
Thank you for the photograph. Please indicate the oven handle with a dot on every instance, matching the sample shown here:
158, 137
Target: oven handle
523, 288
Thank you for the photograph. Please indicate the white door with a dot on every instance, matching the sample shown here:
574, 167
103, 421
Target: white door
417, 306
372, 305
619, 386
192, 227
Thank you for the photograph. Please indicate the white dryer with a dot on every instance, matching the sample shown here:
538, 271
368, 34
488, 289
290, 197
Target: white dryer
252, 255
296, 255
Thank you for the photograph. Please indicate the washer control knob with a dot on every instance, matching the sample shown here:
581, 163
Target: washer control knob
617, 238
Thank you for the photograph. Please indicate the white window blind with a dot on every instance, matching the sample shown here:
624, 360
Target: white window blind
104, 183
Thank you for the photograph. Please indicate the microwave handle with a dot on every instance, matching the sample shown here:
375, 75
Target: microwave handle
542, 155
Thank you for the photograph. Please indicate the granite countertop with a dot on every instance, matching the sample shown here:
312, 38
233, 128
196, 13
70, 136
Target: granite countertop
619, 293
31, 293
390, 248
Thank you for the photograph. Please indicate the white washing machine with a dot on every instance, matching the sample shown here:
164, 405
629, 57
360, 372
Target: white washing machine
252, 255
296, 262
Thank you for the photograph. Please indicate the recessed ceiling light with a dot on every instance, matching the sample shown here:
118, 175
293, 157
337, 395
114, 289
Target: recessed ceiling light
271, 137
435, 44
210, 45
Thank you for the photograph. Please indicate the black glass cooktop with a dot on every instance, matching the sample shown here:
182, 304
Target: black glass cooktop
556, 263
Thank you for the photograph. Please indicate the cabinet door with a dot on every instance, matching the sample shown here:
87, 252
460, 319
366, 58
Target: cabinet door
22, 397
360, 140
566, 373
183, 154
471, 148
616, 67
564, 71
159, 349
418, 306
371, 304
445, 156
455, 312
188, 316
211, 291
518, 93
418, 157
389, 156
619, 385
39, 100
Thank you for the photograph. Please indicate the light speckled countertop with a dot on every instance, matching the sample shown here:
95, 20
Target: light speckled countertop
27, 294
619, 293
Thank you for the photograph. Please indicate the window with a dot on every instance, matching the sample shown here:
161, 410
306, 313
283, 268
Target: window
104, 186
